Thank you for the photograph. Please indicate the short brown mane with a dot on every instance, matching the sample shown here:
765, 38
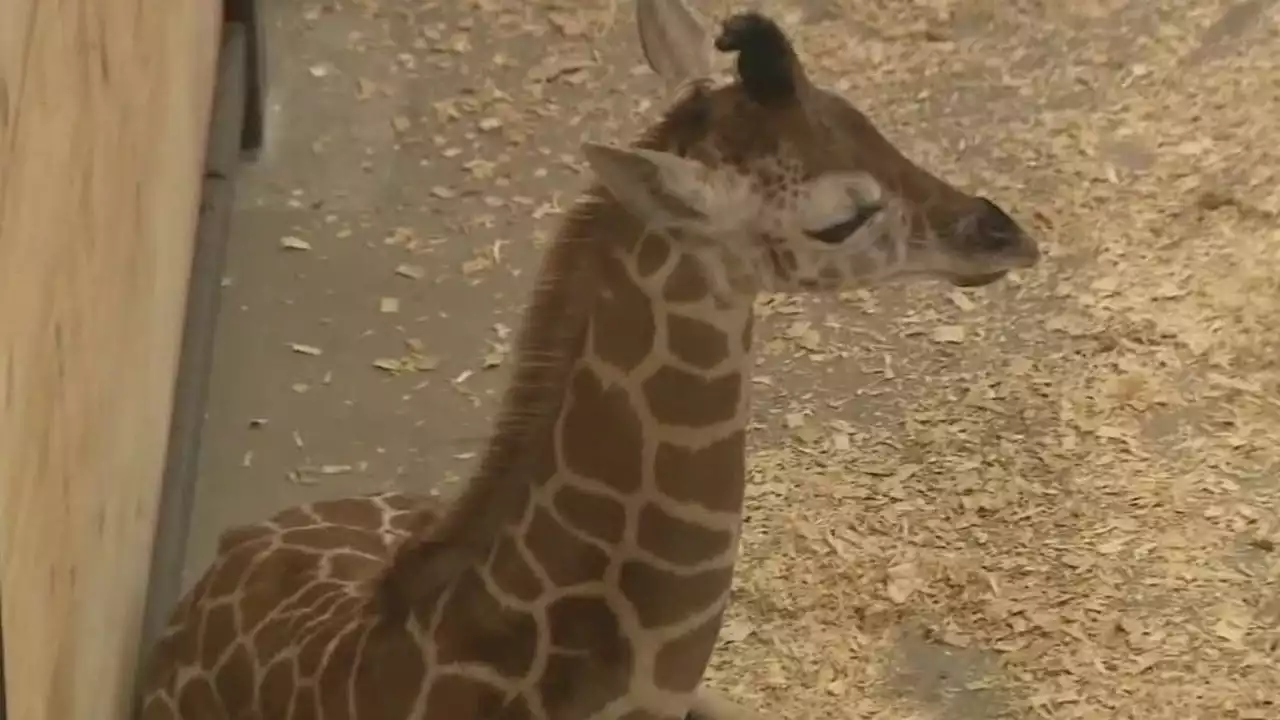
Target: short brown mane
551, 339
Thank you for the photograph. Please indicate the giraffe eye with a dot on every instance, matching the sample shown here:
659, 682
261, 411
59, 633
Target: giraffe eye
838, 233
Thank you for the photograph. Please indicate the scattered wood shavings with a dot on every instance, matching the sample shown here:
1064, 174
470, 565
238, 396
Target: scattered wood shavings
413, 272
948, 334
416, 360
313, 474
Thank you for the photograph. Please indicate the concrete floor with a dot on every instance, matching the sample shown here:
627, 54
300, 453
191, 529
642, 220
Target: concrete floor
284, 426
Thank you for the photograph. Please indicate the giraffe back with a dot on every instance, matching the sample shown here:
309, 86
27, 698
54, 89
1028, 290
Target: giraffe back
282, 601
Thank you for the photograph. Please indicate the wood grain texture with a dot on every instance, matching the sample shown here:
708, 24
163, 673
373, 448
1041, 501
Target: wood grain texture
103, 117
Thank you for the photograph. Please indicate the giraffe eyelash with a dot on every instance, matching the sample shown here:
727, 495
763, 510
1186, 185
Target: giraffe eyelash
838, 233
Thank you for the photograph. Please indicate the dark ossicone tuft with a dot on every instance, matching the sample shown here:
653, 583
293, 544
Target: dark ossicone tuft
767, 64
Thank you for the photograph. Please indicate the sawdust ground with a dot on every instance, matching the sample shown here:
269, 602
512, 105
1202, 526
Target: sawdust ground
1054, 497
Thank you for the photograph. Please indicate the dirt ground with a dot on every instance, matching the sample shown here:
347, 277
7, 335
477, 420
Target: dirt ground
1055, 497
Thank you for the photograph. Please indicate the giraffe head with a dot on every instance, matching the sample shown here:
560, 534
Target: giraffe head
788, 181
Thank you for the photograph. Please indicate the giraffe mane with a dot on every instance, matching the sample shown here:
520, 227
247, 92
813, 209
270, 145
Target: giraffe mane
551, 339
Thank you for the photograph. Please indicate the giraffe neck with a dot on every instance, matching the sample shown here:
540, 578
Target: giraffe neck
615, 527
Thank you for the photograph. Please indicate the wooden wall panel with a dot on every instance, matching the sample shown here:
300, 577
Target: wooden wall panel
103, 117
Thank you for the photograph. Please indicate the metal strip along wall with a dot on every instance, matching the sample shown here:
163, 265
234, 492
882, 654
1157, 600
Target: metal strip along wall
3, 712
235, 135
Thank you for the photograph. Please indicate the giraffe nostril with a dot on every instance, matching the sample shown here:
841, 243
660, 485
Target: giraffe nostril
995, 225
993, 231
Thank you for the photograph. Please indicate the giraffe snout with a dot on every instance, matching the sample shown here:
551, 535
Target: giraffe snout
994, 231
988, 244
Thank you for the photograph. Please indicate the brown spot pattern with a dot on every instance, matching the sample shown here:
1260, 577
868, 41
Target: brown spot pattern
622, 323
581, 685
197, 696
334, 681
335, 537
681, 662
345, 565
565, 558
276, 693
226, 574
322, 611
680, 398
612, 458
307, 705
687, 281
678, 541
696, 342
517, 708
400, 503
235, 679
711, 477
232, 538
511, 572
662, 598
269, 639
475, 627
597, 515
391, 669
158, 708
413, 522
218, 629
311, 654
652, 254
267, 581
309, 596
299, 516
455, 696
360, 513
586, 624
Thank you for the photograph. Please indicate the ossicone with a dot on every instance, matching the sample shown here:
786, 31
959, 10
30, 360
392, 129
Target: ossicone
767, 64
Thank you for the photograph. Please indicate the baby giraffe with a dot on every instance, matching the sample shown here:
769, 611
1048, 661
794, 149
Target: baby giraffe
583, 573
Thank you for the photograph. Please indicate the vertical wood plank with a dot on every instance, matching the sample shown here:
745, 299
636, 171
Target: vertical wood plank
103, 117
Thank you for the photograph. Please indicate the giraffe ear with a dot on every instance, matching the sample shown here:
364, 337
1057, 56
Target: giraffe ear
674, 39
660, 188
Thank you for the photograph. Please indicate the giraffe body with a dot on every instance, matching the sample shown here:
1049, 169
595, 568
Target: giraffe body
583, 573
